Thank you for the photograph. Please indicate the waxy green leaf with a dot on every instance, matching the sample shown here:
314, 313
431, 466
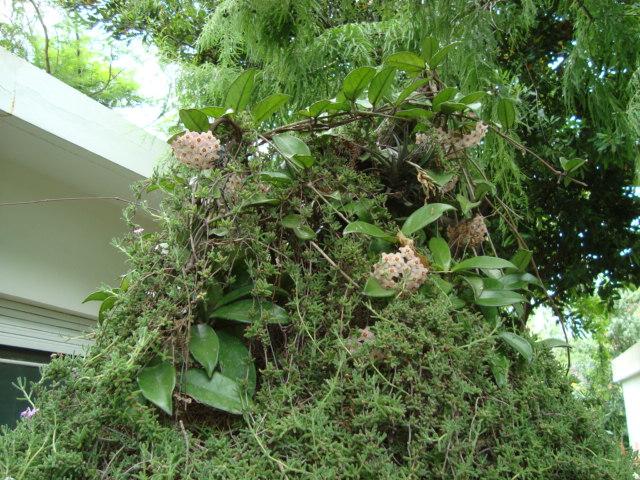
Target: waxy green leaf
506, 113
424, 216
373, 289
194, 120
368, 229
294, 149
407, 61
482, 262
380, 84
409, 90
267, 107
204, 346
519, 344
218, 391
236, 361
250, 310
444, 95
498, 298
240, 91
440, 54
357, 81
157, 383
441, 252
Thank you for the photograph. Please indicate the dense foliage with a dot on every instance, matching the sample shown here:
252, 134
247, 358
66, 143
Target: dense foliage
331, 282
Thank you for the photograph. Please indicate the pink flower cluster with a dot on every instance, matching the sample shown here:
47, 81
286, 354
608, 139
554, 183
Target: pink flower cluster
403, 269
456, 143
197, 150
29, 412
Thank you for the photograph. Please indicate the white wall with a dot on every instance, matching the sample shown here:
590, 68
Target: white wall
626, 370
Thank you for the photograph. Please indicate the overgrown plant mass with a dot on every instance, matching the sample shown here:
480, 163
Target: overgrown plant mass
322, 299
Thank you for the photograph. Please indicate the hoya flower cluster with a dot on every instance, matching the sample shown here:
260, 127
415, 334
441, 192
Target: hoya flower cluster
469, 233
403, 269
197, 150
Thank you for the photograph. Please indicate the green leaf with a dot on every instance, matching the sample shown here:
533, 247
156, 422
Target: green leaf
499, 298
407, 61
157, 383
439, 56
218, 391
235, 360
315, 109
240, 91
368, 229
98, 297
267, 107
373, 289
214, 112
500, 369
250, 310
292, 221
260, 199
476, 284
521, 260
235, 294
465, 204
424, 216
274, 177
473, 97
381, 84
220, 231
304, 233
451, 107
441, 178
409, 90
516, 281
107, 305
417, 113
356, 82
506, 113
519, 344
429, 47
194, 120
553, 343
482, 262
204, 346
483, 187
443, 96
570, 165
294, 149
441, 253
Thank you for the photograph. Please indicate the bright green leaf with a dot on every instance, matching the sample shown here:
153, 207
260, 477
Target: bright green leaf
194, 120
304, 232
417, 113
500, 369
443, 96
204, 346
380, 84
473, 97
521, 260
441, 252
316, 108
214, 112
240, 91
429, 47
292, 221
294, 149
483, 262
553, 343
248, 311
267, 107
236, 362
506, 113
106, 305
218, 391
98, 297
356, 82
157, 383
235, 294
407, 61
368, 229
439, 56
424, 216
519, 344
465, 204
451, 107
499, 298
260, 199
373, 289
409, 90
476, 284
516, 281
274, 177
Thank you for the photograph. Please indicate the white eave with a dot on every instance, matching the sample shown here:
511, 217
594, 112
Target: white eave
627, 364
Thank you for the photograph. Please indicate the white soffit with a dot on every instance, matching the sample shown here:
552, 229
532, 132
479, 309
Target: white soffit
49, 127
627, 364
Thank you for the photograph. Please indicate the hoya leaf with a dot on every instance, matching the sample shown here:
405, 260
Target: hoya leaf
294, 149
465, 204
240, 91
553, 343
236, 361
260, 199
499, 298
274, 177
407, 61
500, 369
380, 84
194, 120
368, 229
451, 107
440, 177
373, 289
519, 344
267, 107
417, 113
214, 112
107, 304
98, 297
516, 281
157, 383
315, 109
356, 82
429, 47
250, 310
235, 294
441, 252
292, 221
220, 231
304, 232
521, 260
440, 54
483, 262
204, 346
476, 284
443, 96
218, 391
424, 216
506, 113
409, 90
472, 97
